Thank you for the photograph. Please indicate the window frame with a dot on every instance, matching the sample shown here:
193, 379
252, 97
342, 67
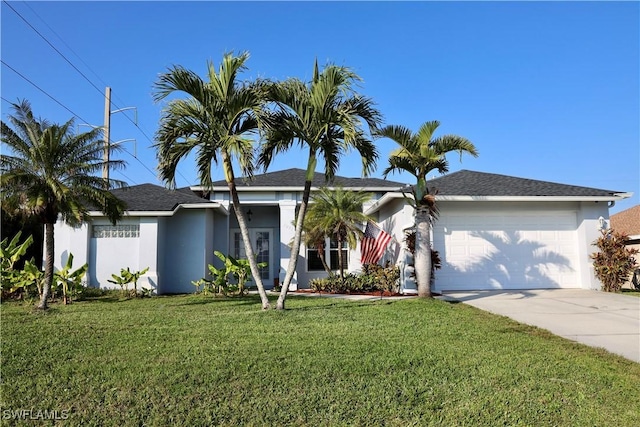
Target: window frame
330, 246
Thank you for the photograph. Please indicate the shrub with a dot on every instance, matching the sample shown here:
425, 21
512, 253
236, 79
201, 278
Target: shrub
380, 278
11, 251
69, 281
373, 278
127, 276
614, 262
230, 279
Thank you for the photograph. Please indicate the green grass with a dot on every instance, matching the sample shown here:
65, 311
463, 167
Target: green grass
193, 360
631, 292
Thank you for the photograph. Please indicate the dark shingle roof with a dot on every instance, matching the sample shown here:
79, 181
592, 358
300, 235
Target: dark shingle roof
470, 183
150, 197
296, 177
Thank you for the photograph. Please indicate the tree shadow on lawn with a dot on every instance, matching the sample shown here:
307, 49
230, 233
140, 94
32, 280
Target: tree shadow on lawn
342, 304
204, 300
107, 299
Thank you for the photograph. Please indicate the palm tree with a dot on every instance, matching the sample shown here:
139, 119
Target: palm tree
338, 214
419, 154
51, 173
219, 120
326, 118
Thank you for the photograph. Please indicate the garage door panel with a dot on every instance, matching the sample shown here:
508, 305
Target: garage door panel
510, 251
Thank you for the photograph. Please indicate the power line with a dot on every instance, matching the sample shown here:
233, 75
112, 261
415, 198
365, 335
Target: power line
83, 75
125, 176
84, 63
67, 59
53, 47
68, 109
41, 90
140, 161
63, 42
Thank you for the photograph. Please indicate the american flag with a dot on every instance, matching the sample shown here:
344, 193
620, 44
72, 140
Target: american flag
373, 243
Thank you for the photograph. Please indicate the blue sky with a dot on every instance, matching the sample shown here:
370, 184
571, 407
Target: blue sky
545, 90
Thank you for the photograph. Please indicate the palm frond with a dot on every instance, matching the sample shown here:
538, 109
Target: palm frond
54, 172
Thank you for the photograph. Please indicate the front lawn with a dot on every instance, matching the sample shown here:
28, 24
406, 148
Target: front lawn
201, 361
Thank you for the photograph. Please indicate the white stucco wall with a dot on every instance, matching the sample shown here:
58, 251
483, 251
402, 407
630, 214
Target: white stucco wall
108, 256
149, 255
69, 240
588, 232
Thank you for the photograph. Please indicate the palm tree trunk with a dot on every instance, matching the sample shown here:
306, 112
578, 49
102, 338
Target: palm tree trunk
323, 260
295, 247
340, 263
244, 230
423, 252
48, 266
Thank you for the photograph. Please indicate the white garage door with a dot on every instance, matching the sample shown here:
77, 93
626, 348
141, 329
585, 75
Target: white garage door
506, 251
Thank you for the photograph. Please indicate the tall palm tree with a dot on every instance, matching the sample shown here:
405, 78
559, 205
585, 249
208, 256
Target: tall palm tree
326, 118
338, 214
219, 120
52, 173
419, 154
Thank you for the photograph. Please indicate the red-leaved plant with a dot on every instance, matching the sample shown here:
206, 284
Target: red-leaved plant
614, 262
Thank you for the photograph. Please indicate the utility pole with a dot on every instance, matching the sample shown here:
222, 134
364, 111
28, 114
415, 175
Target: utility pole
107, 136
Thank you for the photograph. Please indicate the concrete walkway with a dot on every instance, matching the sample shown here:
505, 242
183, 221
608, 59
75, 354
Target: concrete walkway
597, 319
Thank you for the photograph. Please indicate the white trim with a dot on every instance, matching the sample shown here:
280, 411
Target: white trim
397, 195
327, 257
384, 200
212, 205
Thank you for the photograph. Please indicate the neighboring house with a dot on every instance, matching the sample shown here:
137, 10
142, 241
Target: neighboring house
494, 231
628, 222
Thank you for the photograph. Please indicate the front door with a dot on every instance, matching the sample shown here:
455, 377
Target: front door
262, 246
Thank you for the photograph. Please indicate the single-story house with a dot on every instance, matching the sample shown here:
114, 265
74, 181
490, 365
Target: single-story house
493, 232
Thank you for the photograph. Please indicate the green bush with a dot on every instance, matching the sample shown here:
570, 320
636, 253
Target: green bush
127, 276
69, 281
231, 279
373, 278
380, 278
12, 281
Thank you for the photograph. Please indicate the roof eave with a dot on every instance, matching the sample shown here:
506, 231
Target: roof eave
442, 198
217, 206
610, 198
384, 200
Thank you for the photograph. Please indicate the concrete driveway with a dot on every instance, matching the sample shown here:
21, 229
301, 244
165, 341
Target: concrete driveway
597, 319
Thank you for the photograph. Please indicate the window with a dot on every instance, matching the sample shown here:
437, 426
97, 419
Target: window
330, 255
116, 231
